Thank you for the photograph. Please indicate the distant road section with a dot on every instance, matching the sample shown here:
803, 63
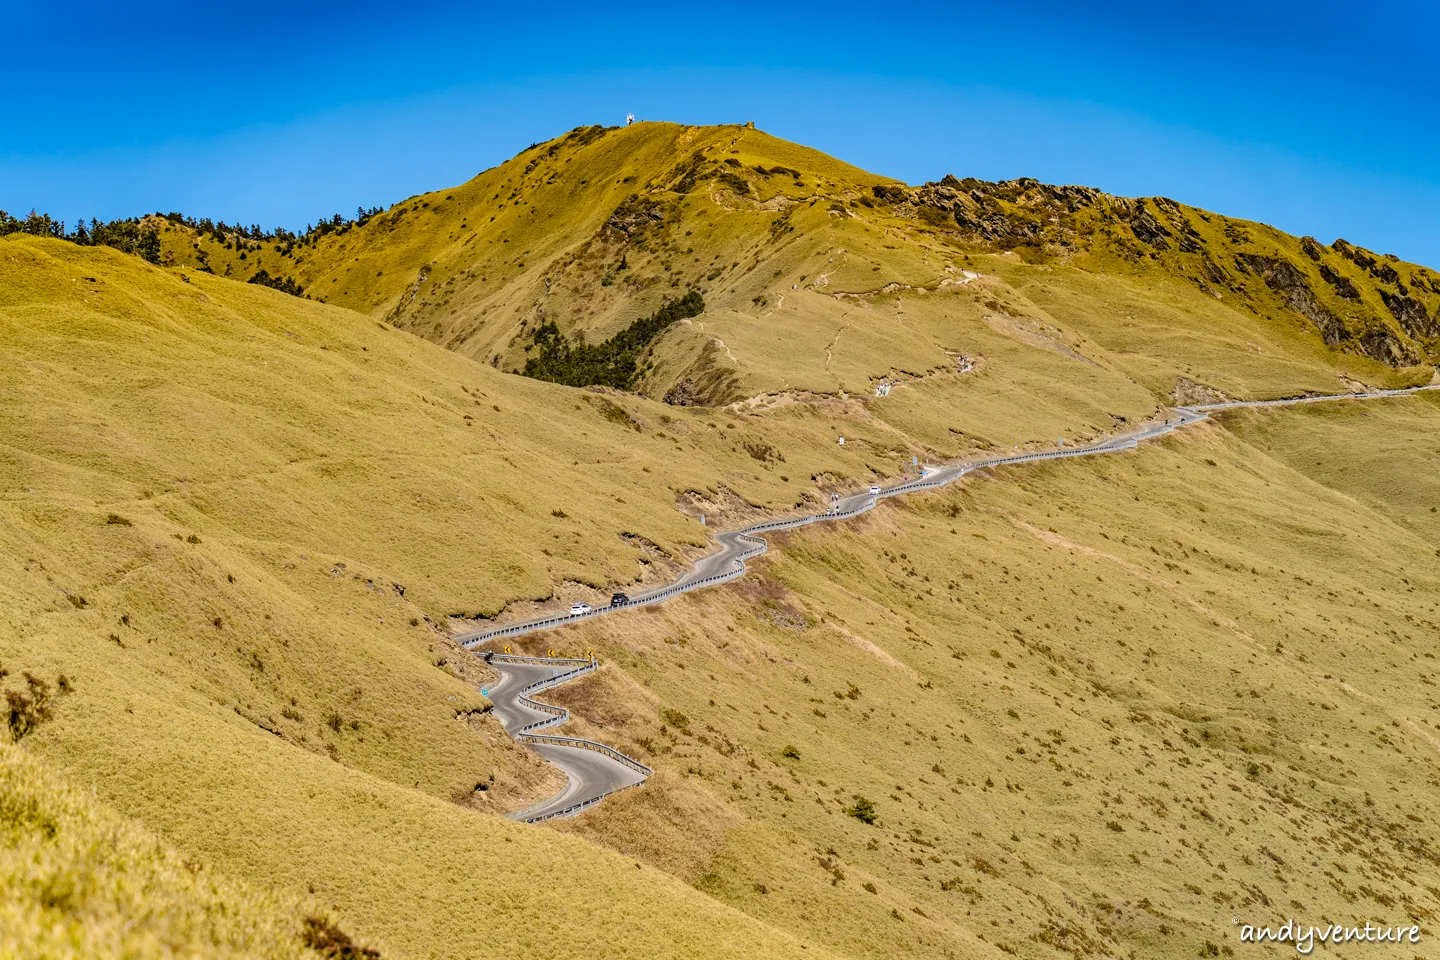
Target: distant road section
737, 546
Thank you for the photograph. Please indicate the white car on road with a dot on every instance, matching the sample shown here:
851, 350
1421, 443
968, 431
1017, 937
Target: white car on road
578, 608
874, 491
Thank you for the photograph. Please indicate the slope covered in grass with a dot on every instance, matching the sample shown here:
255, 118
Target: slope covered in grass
1101, 707
228, 514
239, 520
78, 881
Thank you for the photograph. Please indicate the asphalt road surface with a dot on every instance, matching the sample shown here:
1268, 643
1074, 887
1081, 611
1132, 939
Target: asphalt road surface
591, 774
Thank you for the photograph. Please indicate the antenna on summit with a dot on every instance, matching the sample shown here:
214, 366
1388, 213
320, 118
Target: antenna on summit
629, 119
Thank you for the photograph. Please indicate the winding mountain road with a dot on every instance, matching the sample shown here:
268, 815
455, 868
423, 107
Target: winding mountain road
595, 770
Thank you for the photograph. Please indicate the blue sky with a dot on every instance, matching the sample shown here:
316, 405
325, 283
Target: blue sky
1322, 117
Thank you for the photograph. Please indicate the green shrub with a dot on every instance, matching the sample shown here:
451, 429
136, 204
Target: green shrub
764, 452
863, 810
29, 708
283, 284
614, 363
325, 938
735, 182
936, 217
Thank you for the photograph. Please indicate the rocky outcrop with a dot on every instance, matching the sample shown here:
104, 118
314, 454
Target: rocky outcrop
1008, 213
1282, 276
1376, 267
1376, 341
1068, 220
1341, 283
1150, 230
685, 393
1412, 315
635, 215
709, 381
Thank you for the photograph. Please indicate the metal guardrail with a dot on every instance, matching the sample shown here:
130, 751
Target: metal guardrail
1290, 401
573, 809
1188, 415
542, 661
597, 747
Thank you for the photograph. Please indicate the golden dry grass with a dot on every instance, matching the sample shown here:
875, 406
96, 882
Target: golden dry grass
214, 495
76, 880
813, 286
1097, 713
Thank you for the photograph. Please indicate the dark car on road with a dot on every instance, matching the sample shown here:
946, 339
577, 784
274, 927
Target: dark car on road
619, 600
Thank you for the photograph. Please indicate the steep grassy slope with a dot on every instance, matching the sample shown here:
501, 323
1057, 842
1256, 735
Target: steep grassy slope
227, 514
1101, 707
1386, 457
821, 278
78, 881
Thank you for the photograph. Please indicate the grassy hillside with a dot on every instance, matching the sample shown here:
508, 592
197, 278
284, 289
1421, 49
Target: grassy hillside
1095, 712
823, 279
229, 514
78, 881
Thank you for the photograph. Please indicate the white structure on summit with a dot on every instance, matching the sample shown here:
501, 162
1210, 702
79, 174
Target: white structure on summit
629, 119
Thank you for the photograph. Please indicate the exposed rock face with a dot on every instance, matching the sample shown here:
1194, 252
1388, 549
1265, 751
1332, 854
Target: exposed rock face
1064, 220
635, 215
1150, 230
1340, 282
1377, 268
1009, 213
1411, 314
1354, 254
1376, 342
710, 381
1281, 276
1075, 220
684, 393
1213, 272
